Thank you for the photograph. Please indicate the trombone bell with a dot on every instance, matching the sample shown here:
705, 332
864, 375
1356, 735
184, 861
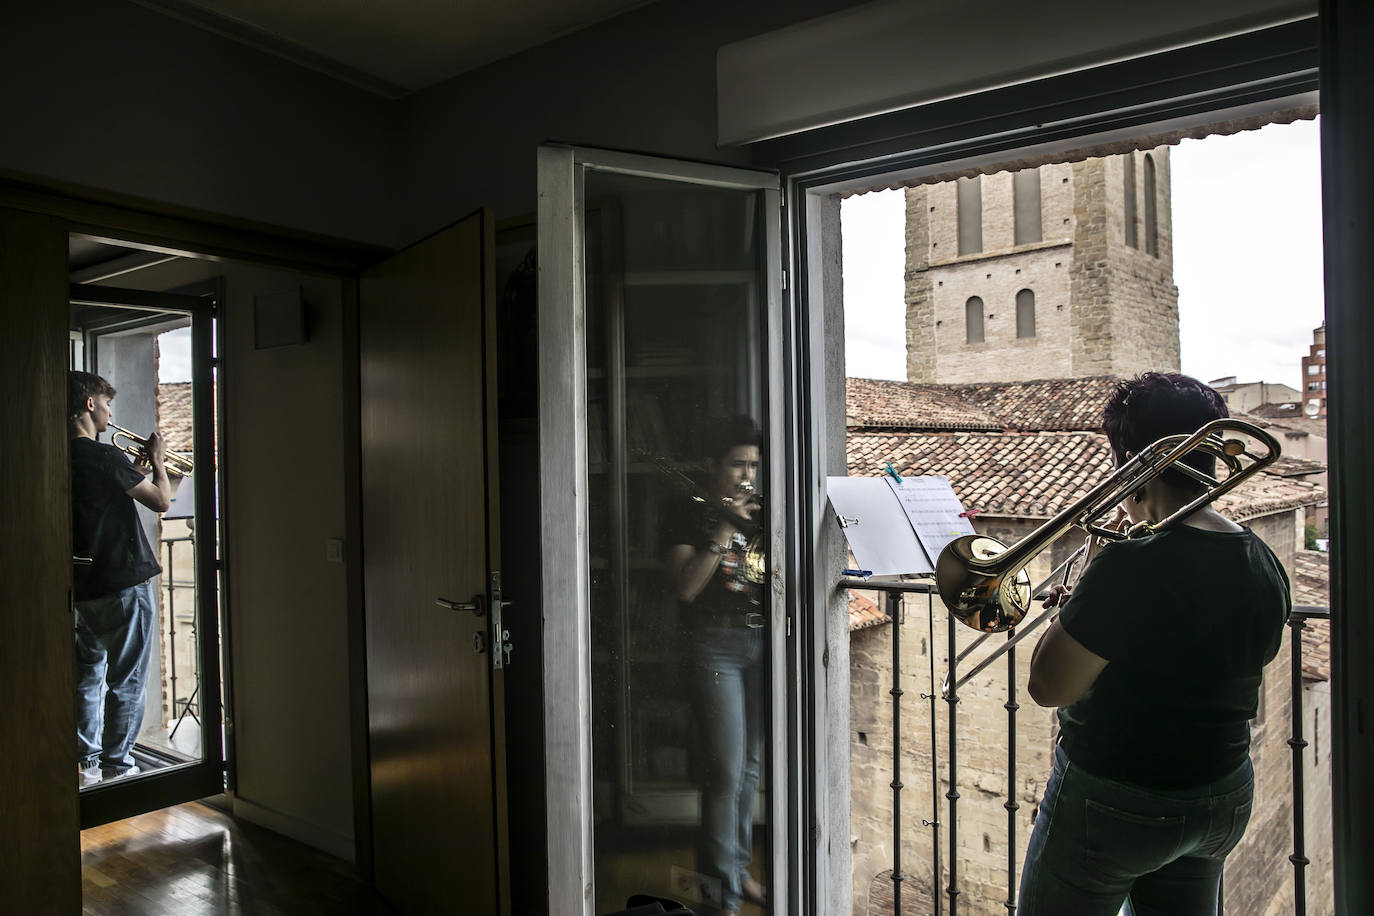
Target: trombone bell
979, 594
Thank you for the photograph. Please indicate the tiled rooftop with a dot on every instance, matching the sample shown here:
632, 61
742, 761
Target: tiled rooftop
1287, 466
174, 415
864, 613
1310, 586
1296, 424
1042, 454
878, 403
1045, 405
1013, 474
1038, 406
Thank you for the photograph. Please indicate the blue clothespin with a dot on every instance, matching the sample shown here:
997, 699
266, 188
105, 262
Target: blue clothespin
862, 573
893, 473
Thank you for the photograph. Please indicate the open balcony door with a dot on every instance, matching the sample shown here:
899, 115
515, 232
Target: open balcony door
660, 312
429, 547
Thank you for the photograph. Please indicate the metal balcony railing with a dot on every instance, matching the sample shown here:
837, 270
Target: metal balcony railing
893, 597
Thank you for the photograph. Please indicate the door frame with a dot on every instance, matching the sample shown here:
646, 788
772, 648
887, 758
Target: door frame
1234, 77
107, 802
564, 508
187, 232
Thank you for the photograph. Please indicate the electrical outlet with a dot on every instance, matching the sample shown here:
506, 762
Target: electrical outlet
333, 550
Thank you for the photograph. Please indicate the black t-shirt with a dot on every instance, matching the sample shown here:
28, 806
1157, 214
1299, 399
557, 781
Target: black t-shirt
105, 523
1187, 620
728, 595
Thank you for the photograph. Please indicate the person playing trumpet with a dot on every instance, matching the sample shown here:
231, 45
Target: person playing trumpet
705, 546
114, 593
1155, 663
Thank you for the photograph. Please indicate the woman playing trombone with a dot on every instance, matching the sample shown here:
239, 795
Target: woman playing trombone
1155, 664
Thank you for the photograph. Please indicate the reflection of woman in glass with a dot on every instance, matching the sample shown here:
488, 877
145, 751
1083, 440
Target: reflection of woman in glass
706, 541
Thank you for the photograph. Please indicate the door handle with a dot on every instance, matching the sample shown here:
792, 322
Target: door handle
82, 561
477, 605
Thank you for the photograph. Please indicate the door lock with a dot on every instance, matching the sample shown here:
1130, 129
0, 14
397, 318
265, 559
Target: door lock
477, 605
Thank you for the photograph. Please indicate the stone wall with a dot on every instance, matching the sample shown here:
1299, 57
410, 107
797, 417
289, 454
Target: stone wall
1259, 877
1258, 874
1102, 307
920, 304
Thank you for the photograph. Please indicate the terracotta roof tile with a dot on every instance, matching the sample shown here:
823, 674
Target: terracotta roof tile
864, 613
1299, 424
1310, 577
883, 404
174, 415
1045, 405
1015, 475
1287, 466
1265, 494
1035, 475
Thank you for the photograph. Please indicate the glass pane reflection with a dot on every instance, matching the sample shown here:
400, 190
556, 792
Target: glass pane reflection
678, 602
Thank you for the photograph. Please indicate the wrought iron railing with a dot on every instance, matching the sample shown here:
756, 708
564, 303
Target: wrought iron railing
893, 597
171, 585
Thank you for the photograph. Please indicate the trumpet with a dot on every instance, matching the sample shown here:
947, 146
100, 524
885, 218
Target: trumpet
137, 447
755, 558
984, 583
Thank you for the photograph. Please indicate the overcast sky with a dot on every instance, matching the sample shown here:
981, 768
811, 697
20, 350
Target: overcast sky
1247, 260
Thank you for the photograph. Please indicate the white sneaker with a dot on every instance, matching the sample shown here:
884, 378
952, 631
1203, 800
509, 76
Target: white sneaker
126, 771
89, 776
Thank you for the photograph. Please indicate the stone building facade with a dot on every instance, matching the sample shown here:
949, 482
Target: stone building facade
1060, 271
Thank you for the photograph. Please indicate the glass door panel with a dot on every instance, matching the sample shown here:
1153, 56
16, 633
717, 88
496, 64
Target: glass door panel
679, 616
143, 652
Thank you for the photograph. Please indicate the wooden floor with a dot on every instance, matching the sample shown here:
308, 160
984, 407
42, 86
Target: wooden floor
196, 859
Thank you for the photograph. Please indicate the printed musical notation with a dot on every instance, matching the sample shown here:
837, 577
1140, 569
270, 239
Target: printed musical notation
933, 510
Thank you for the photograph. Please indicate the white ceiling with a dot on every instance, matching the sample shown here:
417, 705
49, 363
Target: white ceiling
393, 47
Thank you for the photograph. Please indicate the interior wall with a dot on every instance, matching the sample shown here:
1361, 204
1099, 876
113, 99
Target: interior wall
643, 82
282, 461
113, 95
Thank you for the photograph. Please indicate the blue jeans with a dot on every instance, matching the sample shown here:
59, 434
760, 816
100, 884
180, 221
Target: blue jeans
1099, 843
728, 686
112, 640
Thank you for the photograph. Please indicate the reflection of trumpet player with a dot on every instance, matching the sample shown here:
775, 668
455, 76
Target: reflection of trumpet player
1155, 664
114, 593
705, 552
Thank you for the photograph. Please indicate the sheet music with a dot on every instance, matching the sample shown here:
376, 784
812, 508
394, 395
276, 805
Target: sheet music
881, 538
933, 510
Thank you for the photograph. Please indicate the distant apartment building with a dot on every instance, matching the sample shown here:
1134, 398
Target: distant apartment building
1314, 375
1247, 397
1061, 271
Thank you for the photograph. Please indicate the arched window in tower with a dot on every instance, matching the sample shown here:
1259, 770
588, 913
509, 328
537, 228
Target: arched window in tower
1025, 313
1128, 198
1025, 197
973, 320
970, 203
1151, 212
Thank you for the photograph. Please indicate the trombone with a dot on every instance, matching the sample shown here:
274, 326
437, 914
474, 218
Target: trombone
137, 446
984, 583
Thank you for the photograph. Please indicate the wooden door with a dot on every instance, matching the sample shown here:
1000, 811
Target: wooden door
428, 494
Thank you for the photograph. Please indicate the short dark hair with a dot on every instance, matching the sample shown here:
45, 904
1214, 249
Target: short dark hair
731, 432
83, 385
1153, 405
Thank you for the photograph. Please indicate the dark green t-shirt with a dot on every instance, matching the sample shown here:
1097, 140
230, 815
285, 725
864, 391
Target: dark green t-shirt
1187, 620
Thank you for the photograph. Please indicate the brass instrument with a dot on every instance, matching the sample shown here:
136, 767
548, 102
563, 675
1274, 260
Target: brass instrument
137, 447
984, 583
755, 559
